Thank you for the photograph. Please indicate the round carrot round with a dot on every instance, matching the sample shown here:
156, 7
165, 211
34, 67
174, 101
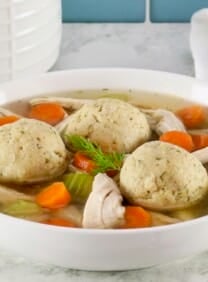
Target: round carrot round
54, 196
47, 112
83, 162
179, 138
136, 217
193, 116
200, 141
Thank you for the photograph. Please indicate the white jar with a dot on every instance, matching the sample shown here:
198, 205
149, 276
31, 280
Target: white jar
30, 35
199, 43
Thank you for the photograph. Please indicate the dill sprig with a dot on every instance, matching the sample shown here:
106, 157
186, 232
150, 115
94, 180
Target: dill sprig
104, 161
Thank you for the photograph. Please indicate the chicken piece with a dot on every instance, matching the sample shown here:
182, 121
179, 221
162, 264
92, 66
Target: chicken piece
103, 208
112, 124
201, 155
4, 112
8, 195
38, 218
66, 102
163, 176
71, 212
31, 151
162, 121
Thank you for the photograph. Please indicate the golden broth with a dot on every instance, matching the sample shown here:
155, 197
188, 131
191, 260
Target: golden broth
138, 98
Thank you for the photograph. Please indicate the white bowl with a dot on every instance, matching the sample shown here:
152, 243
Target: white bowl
27, 11
30, 32
3, 3
43, 16
40, 65
105, 249
30, 56
23, 6
34, 41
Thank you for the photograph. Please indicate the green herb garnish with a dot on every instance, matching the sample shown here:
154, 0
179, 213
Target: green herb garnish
104, 161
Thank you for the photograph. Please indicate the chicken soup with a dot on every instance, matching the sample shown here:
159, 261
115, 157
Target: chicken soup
104, 160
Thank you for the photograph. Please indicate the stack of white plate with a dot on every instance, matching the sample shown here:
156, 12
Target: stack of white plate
30, 33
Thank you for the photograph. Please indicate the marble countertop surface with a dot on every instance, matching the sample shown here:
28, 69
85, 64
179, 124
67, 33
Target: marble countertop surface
159, 46
151, 46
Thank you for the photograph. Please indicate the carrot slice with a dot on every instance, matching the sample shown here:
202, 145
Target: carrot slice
8, 119
59, 222
47, 112
83, 162
179, 138
200, 141
54, 196
193, 116
136, 217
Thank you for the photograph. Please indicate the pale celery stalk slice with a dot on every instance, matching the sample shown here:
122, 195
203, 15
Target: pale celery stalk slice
79, 186
22, 208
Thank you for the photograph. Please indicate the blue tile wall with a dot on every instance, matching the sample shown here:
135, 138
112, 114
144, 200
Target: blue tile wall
103, 10
130, 10
175, 10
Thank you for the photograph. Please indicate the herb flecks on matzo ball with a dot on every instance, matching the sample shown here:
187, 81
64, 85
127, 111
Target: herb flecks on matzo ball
162, 176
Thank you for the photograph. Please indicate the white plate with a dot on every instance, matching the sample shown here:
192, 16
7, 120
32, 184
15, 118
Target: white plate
105, 249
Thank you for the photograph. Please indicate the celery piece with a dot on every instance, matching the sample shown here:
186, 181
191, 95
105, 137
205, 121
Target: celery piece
79, 185
21, 208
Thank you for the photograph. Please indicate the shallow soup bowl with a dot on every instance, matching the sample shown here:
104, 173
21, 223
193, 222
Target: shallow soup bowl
104, 250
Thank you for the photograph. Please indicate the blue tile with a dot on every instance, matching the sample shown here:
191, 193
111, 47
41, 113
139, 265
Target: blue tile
175, 10
103, 10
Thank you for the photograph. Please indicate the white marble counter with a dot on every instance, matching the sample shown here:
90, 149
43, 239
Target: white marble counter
150, 46
164, 47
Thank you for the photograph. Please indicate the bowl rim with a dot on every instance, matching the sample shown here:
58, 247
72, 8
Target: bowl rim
59, 73
103, 232
62, 73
